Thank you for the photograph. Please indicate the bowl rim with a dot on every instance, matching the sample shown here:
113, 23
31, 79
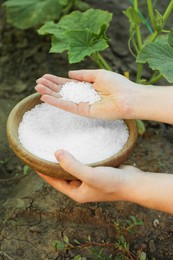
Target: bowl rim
41, 165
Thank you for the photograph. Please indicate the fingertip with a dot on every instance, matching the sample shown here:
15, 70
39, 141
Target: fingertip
60, 155
72, 73
42, 98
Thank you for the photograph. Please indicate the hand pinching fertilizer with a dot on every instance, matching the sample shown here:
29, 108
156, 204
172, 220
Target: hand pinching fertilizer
77, 92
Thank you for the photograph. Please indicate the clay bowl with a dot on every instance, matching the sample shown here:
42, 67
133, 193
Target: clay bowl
50, 168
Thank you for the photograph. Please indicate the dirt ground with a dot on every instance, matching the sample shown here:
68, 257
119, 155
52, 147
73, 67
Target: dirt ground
33, 214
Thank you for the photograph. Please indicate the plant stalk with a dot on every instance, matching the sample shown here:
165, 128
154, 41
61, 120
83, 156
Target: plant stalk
135, 45
165, 18
154, 79
151, 13
139, 72
68, 7
138, 32
139, 41
100, 61
168, 12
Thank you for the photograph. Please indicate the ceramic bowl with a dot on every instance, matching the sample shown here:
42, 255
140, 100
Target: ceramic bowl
50, 168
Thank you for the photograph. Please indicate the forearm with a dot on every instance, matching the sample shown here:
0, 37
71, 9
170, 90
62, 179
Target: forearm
153, 103
152, 190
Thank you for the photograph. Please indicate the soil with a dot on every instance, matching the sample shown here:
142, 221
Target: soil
33, 214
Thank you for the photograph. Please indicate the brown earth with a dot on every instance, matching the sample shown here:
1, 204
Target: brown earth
32, 213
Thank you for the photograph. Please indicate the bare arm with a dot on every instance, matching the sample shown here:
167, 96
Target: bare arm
153, 103
152, 190
121, 98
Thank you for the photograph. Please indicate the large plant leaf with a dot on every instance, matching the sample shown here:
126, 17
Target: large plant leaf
28, 13
84, 43
81, 34
159, 55
79, 43
92, 19
59, 39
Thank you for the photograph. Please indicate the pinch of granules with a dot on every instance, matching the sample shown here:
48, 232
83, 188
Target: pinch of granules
45, 129
77, 92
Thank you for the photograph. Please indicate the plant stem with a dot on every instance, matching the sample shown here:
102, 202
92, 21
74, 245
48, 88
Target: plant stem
167, 12
151, 13
138, 33
100, 61
154, 79
104, 62
154, 36
135, 45
69, 7
165, 18
139, 72
139, 41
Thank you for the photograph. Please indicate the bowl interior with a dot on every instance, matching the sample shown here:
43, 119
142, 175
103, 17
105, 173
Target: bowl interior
50, 168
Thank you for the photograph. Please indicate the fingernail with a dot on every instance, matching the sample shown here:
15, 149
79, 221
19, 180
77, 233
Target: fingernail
60, 154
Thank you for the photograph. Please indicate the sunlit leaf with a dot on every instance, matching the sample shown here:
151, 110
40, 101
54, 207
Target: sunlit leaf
81, 34
84, 43
159, 55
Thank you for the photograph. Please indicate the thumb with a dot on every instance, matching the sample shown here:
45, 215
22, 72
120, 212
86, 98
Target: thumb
84, 75
73, 166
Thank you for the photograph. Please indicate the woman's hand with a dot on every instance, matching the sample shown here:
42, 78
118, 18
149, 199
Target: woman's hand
93, 184
127, 183
115, 90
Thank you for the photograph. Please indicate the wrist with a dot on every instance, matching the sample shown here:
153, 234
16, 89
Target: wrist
127, 184
130, 185
152, 103
138, 97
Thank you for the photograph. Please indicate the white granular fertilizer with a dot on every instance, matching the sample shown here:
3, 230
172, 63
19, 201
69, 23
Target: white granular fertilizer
45, 129
79, 92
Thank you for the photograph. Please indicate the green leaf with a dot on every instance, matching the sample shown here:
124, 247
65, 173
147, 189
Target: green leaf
159, 22
84, 43
66, 239
143, 256
159, 55
170, 38
59, 245
28, 13
77, 257
26, 169
92, 19
133, 218
82, 6
134, 18
77, 242
81, 34
140, 126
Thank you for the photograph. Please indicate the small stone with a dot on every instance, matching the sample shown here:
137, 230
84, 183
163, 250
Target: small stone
152, 246
156, 223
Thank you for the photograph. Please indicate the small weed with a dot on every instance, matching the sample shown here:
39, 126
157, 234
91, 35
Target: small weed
129, 225
120, 249
26, 169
